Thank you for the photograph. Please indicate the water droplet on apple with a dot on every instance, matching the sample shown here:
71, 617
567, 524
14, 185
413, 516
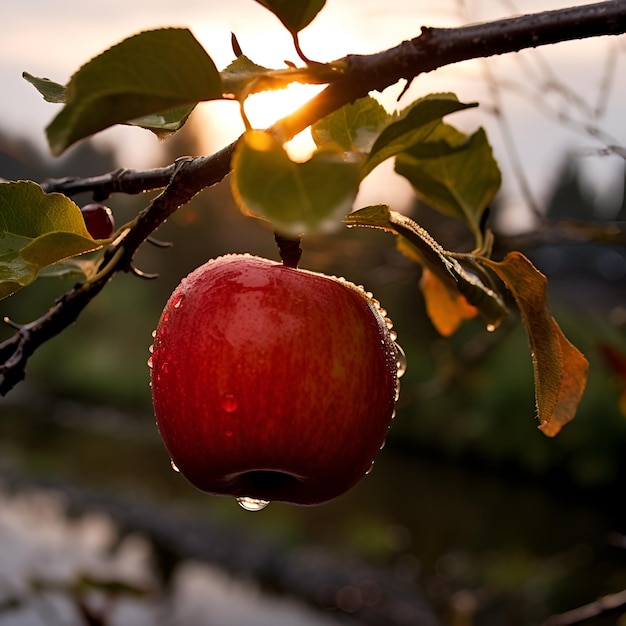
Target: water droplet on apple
400, 360
151, 349
174, 466
393, 334
492, 327
229, 403
154, 333
252, 504
177, 302
397, 396
150, 362
369, 471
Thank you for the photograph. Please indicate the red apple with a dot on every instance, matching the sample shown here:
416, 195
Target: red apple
272, 383
98, 220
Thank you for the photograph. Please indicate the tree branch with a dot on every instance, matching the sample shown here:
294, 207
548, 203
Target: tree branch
120, 181
181, 181
438, 47
434, 48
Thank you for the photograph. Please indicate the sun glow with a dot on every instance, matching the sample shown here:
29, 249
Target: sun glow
267, 107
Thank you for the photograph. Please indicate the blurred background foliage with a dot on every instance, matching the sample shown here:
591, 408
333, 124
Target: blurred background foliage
482, 503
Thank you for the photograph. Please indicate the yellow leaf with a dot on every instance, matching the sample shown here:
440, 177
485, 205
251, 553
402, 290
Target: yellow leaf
559, 367
447, 309
572, 385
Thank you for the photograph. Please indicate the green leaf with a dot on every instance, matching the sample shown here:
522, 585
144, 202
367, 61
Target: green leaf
164, 123
352, 128
431, 255
240, 75
294, 14
297, 198
458, 178
76, 268
414, 124
148, 73
36, 230
51, 91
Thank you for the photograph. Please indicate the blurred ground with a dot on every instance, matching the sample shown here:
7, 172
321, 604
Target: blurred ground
53, 565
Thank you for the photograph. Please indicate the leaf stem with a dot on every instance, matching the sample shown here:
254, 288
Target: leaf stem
296, 45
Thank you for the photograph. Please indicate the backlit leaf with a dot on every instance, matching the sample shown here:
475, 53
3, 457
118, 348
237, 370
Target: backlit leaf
164, 123
412, 125
352, 128
446, 308
296, 198
459, 179
429, 253
161, 124
51, 91
147, 74
559, 367
36, 230
294, 14
237, 77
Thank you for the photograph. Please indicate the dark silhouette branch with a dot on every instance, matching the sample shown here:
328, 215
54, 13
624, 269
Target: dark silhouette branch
181, 181
120, 181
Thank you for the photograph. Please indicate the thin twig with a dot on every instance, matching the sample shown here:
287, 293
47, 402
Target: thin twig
566, 232
605, 606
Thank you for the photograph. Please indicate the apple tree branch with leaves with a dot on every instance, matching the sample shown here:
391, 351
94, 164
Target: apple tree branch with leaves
155, 79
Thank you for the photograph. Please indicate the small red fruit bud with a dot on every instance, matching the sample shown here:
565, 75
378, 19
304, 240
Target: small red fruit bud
99, 220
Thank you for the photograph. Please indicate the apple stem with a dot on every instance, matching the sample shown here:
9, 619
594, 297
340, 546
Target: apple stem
289, 250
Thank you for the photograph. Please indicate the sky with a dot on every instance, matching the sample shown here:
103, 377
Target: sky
535, 88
